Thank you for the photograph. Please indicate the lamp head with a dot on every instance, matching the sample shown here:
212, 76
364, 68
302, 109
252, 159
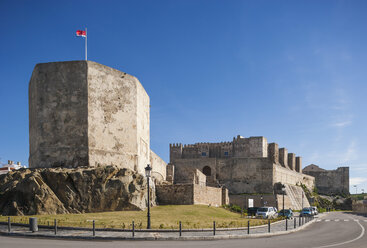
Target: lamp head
148, 170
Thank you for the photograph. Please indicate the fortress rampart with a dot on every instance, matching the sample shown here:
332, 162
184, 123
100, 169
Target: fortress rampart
245, 165
84, 114
330, 182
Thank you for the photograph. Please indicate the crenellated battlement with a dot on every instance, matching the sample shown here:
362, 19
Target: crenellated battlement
240, 147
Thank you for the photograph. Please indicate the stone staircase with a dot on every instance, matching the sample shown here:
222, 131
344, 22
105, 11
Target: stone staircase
292, 198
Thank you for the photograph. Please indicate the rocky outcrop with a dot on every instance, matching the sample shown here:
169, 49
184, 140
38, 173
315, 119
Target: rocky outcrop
61, 191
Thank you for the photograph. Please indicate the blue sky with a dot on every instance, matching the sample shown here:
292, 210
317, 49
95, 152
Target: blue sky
292, 71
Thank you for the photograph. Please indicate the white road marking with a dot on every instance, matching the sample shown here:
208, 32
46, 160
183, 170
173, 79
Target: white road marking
365, 220
336, 220
327, 220
318, 220
346, 220
355, 220
346, 242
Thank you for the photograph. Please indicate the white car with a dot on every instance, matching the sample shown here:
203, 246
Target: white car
315, 211
266, 212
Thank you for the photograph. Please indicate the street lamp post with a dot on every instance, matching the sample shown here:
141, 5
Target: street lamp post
355, 186
148, 170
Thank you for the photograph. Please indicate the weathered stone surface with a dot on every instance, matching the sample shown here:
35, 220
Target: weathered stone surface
60, 191
82, 113
329, 182
246, 165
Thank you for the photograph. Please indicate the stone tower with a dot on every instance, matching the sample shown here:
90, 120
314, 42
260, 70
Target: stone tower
82, 113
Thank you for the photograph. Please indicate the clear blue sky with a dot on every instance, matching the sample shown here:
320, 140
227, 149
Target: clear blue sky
292, 71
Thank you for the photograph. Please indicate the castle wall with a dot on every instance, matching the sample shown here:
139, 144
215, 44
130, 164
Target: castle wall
239, 175
58, 115
159, 167
330, 182
246, 175
189, 194
117, 119
170, 173
283, 157
143, 127
286, 176
86, 114
242, 200
199, 177
184, 169
176, 194
207, 195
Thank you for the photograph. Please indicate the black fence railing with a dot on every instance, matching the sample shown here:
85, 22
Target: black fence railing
33, 226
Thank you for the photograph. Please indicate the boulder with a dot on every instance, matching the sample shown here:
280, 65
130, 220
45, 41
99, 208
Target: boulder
80, 190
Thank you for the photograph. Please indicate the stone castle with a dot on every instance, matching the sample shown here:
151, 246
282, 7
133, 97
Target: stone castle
329, 182
84, 114
247, 167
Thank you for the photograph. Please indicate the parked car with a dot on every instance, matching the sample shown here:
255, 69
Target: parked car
306, 212
316, 212
287, 213
252, 211
266, 213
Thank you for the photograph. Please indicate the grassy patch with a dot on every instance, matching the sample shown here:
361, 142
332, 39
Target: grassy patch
162, 217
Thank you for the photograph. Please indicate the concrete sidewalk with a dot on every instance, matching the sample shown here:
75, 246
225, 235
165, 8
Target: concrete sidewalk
277, 228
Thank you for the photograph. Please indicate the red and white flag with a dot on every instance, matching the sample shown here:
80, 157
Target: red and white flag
81, 33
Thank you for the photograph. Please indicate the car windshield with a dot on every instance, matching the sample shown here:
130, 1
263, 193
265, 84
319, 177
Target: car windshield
263, 210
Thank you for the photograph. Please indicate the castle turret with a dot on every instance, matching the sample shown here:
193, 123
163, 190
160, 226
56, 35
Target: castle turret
283, 157
299, 164
292, 161
273, 152
175, 152
82, 113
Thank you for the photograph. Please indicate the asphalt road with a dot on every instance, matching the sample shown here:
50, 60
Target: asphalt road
333, 230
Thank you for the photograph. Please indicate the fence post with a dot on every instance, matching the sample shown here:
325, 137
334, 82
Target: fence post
94, 228
180, 229
214, 228
133, 229
299, 222
248, 227
286, 224
295, 223
55, 226
9, 225
268, 225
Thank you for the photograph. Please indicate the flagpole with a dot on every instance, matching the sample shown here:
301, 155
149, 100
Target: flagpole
86, 51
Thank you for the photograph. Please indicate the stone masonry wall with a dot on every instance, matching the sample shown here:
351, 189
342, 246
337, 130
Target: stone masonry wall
188, 194
86, 114
207, 195
286, 176
239, 175
242, 200
118, 119
330, 182
176, 194
159, 167
58, 115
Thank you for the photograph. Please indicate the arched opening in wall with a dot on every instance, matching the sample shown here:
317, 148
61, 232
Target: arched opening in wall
207, 171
